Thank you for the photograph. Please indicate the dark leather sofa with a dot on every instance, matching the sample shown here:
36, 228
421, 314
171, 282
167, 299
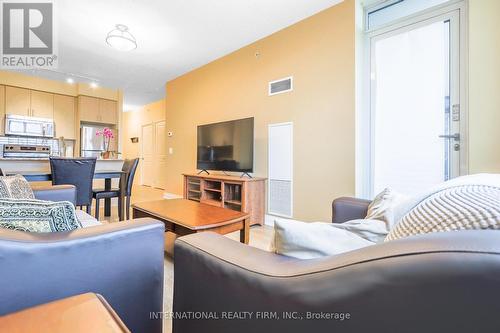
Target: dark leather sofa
441, 282
121, 261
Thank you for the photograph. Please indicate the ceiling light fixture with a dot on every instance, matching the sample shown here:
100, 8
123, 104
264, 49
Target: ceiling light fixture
70, 80
93, 85
121, 39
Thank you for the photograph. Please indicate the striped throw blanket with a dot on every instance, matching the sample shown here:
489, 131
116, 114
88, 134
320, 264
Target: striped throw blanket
471, 202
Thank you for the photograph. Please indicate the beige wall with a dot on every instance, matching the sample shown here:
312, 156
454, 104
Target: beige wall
484, 85
319, 53
132, 126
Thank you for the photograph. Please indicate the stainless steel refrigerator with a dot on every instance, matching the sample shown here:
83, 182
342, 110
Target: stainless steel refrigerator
92, 145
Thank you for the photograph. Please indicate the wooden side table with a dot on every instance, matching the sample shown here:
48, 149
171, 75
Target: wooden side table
78, 314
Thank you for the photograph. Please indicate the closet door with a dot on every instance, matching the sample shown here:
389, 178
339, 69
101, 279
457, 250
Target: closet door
280, 148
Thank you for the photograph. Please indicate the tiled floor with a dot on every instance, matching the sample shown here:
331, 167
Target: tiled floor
260, 237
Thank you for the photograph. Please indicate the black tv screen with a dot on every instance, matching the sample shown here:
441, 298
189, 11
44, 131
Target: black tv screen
226, 146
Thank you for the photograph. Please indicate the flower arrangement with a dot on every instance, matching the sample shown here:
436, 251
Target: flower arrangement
107, 134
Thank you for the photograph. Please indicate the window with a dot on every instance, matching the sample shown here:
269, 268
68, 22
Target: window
392, 10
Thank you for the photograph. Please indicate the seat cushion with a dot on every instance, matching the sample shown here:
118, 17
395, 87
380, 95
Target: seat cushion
37, 215
16, 187
103, 194
309, 240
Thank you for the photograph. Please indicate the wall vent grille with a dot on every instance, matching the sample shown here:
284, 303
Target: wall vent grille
281, 86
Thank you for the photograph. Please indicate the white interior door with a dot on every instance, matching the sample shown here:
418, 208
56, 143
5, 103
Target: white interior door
280, 169
147, 155
415, 105
160, 155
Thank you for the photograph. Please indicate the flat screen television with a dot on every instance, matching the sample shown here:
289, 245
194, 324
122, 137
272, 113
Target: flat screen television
226, 146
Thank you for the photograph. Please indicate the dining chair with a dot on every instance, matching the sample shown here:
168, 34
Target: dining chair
78, 172
129, 168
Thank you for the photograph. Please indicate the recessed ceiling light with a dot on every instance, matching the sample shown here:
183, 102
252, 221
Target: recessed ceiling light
121, 39
94, 85
70, 80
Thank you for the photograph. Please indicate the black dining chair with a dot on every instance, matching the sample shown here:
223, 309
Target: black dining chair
127, 179
78, 172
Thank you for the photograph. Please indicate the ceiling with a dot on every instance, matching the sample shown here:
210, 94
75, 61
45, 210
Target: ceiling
173, 37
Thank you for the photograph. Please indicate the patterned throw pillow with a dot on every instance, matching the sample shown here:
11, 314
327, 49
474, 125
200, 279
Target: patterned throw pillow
16, 187
462, 207
37, 216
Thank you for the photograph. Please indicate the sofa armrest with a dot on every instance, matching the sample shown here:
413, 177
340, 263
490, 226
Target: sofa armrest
346, 209
121, 261
382, 288
55, 192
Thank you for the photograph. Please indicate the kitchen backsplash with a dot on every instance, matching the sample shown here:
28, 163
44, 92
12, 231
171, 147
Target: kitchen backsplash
52, 143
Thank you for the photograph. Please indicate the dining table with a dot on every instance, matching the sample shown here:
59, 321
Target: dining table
107, 175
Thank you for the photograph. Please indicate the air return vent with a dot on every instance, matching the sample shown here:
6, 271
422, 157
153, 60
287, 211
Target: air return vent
281, 86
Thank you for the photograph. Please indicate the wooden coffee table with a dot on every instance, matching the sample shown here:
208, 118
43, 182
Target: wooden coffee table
184, 217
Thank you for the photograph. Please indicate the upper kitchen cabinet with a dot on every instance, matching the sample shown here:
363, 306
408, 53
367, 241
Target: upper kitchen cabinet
97, 110
17, 101
42, 104
32, 103
88, 107
65, 117
108, 111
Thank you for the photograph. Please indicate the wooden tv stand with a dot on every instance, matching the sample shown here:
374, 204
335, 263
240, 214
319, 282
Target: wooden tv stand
240, 194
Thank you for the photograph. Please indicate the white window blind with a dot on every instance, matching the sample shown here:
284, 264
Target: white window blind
390, 11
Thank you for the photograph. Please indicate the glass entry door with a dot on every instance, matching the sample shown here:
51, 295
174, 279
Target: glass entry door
415, 110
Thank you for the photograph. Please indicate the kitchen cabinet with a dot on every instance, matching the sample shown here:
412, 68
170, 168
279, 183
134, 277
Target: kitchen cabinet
65, 117
17, 101
97, 110
2, 110
42, 104
88, 107
107, 111
31, 103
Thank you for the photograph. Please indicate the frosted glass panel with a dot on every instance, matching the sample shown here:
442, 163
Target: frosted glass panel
410, 93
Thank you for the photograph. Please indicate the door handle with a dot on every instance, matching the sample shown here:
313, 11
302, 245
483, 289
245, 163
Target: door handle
455, 136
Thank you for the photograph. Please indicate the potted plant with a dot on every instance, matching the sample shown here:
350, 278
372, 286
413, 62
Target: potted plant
107, 134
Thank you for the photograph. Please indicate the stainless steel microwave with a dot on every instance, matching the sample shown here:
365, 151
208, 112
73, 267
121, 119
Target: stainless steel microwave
29, 126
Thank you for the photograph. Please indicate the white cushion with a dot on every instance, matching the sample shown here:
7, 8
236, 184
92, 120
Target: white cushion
308, 240
85, 219
383, 205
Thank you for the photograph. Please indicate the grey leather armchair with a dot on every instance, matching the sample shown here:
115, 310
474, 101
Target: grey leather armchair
442, 282
121, 261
